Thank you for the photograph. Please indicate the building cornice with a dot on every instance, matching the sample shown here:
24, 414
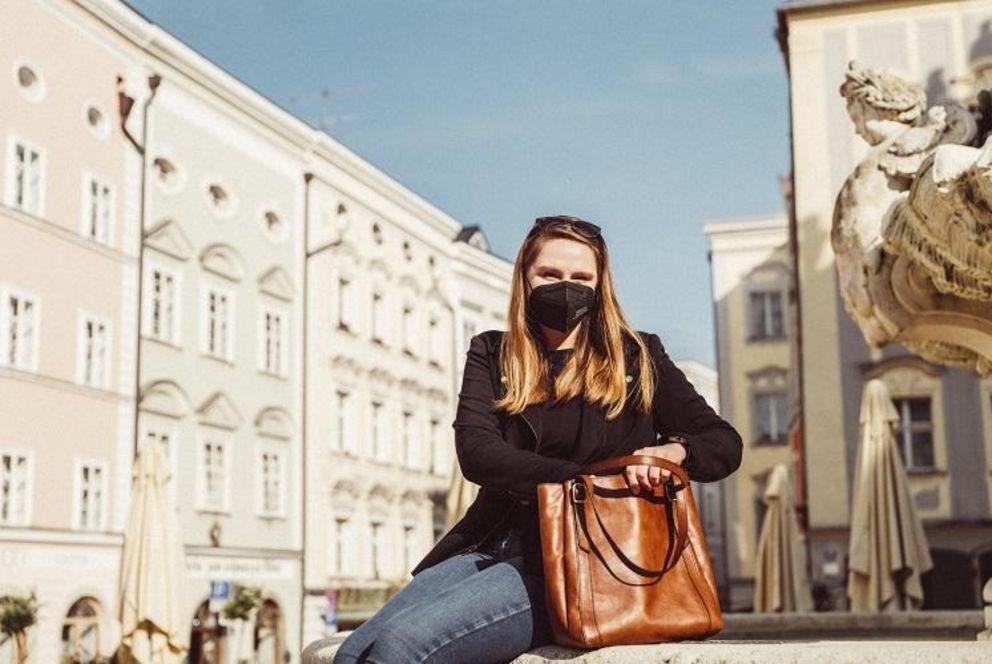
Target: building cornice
189, 66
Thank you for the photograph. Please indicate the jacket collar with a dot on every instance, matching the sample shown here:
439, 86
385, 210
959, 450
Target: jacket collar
593, 419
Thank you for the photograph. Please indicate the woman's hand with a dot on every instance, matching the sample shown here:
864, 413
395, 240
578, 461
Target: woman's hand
640, 475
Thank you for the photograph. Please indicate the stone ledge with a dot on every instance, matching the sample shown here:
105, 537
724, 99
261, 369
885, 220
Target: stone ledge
945, 636
736, 652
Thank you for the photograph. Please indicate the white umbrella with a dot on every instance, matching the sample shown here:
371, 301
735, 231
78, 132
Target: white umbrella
153, 579
888, 549
780, 580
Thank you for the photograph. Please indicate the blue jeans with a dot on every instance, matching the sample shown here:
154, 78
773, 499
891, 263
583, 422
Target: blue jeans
472, 608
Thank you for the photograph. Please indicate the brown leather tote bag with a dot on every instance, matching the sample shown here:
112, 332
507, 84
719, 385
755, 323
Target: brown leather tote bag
622, 568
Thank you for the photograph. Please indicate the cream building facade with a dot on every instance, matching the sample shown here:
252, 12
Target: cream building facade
944, 428
302, 323
750, 272
68, 307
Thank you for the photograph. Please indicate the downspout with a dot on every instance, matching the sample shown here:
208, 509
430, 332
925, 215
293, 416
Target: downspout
125, 104
802, 507
307, 177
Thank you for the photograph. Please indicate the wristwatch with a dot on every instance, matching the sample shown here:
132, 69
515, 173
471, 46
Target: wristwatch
680, 439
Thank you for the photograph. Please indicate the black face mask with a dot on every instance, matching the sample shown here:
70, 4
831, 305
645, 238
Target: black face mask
560, 305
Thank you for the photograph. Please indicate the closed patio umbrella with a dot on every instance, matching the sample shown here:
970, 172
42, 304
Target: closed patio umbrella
781, 583
888, 549
153, 578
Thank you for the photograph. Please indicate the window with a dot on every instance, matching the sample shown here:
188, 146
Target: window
411, 455
25, 177
15, 488
274, 349
167, 175
81, 633
29, 80
162, 310
165, 438
218, 323
435, 448
94, 355
339, 536
766, 315
90, 495
409, 328
380, 431
378, 318
409, 546
271, 483
346, 440
346, 318
19, 325
96, 121
433, 341
275, 227
771, 417
97, 209
377, 548
213, 476
220, 200
914, 432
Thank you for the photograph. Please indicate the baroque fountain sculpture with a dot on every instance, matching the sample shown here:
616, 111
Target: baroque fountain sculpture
912, 225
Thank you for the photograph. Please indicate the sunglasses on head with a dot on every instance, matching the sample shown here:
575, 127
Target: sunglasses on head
584, 228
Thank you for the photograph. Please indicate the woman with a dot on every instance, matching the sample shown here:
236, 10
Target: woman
569, 383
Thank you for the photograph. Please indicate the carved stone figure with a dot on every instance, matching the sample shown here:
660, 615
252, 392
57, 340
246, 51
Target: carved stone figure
912, 225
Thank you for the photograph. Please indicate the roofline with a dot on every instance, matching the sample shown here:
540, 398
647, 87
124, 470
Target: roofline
753, 222
184, 61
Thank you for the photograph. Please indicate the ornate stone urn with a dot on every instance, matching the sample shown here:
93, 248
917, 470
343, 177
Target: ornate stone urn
912, 224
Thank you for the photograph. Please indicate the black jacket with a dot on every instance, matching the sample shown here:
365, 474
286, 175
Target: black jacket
497, 450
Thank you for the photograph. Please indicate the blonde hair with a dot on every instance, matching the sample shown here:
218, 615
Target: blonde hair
596, 370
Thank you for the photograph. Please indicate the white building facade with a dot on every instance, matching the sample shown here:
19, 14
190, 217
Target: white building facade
388, 285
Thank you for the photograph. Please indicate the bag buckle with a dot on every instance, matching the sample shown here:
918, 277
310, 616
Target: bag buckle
578, 492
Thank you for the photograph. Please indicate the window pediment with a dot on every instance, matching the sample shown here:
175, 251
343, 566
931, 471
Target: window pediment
274, 422
223, 261
277, 283
219, 411
164, 397
168, 238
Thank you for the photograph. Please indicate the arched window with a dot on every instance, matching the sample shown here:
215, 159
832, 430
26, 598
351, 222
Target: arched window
81, 633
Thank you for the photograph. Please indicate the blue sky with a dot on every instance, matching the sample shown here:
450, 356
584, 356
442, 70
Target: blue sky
646, 117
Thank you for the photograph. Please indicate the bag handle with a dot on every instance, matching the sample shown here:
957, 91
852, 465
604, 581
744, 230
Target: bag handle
618, 464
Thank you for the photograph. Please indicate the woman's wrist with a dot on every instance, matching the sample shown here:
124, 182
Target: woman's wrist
680, 439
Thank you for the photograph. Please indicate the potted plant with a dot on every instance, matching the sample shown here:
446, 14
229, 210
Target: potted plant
17, 614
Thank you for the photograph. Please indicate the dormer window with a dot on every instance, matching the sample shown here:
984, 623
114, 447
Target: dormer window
29, 82
218, 194
96, 121
221, 199
275, 227
167, 175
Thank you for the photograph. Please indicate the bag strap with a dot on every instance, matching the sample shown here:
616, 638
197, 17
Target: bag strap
618, 464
